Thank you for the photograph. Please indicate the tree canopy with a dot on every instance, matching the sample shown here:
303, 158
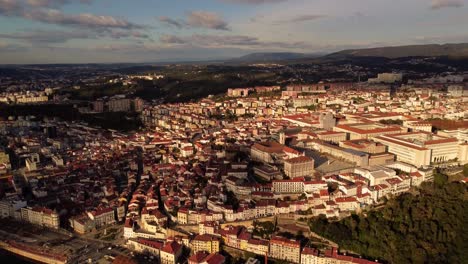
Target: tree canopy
429, 227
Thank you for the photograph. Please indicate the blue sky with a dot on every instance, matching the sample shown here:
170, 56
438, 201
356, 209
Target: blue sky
82, 31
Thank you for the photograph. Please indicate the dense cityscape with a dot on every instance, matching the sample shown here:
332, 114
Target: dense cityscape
239, 175
233, 131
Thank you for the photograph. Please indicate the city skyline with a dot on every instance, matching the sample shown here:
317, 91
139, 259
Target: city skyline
81, 31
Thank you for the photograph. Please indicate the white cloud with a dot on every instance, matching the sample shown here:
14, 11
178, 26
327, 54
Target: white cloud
204, 19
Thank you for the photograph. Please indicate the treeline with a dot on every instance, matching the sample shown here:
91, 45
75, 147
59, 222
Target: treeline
431, 227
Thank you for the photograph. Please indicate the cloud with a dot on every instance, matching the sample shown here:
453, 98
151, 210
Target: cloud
197, 19
15, 8
58, 36
441, 39
209, 40
39, 36
301, 18
172, 39
118, 34
10, 7
217, 41
204, 19
54, 3
438, 4
121, 47
171, 22
254, 2
54, 16
7, 47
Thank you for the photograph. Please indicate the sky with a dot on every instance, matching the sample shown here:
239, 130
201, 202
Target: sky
111, 31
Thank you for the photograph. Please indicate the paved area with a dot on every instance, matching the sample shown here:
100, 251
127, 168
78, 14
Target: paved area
79, 249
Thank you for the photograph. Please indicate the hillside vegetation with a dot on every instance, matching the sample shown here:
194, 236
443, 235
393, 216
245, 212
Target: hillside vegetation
430, 227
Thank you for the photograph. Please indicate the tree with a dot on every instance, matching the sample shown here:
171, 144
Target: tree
429, 227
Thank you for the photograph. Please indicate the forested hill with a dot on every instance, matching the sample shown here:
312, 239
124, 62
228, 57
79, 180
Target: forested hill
430, 50
431, 227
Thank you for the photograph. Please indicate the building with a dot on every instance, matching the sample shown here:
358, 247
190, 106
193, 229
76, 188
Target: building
119, 105
266, 151
41, 216
81, 224
285, 249
138, 104
267, 172
324, 120
8, 207
332, 136
170, 253
288, 186
205, 258
5, 158
387, 78
364, 145
418, 126
421, 148
354, 156
32, 98
327, 120
312, 256
299, 167
368, 130
98, 106
102, 216
461, 134
258, 246
238, 92
205, 242
145, 246
456, 90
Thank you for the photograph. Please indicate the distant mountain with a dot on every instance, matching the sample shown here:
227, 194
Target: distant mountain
430, 50
272, 57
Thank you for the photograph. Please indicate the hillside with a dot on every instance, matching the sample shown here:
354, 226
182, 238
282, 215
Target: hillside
427, 228
431, 50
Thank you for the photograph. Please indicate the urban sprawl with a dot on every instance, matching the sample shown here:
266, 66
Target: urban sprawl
234, 173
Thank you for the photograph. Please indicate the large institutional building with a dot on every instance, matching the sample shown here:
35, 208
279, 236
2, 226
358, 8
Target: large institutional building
422, 148
368, 130
299, 167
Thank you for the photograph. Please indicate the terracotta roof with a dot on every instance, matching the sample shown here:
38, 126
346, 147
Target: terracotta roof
285, 242
172, 247
301, 159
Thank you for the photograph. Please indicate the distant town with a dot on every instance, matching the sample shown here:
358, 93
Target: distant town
232, 177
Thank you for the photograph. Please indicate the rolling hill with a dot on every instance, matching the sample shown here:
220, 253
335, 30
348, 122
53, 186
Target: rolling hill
430, 50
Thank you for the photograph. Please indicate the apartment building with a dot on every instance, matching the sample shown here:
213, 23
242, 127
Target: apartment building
205, 242
102, 216
41, 216
170, 253
288, 186
285, 249
258, 246
145, 246
9, 207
